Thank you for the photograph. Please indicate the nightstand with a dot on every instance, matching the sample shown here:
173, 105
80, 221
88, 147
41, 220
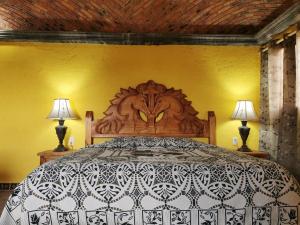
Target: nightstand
48, 155
263, 155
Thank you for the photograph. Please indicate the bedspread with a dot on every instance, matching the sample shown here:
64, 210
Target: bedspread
161, 181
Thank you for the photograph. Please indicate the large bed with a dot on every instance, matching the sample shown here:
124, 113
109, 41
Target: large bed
152, 172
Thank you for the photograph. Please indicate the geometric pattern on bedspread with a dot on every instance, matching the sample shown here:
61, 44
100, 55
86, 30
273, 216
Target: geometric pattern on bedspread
156, 181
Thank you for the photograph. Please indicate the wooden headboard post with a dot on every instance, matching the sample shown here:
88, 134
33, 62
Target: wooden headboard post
89, 118
212, 127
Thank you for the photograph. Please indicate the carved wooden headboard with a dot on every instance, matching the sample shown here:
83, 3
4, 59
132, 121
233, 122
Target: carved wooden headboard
150, 109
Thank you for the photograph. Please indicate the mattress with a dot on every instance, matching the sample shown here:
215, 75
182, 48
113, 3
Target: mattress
161, 181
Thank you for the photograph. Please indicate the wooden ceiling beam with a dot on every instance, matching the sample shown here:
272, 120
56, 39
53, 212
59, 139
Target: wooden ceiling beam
127, 38
279, 25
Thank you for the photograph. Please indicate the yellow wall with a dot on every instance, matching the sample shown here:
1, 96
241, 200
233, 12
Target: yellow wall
32, 75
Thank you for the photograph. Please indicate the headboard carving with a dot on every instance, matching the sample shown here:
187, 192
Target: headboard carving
150, 109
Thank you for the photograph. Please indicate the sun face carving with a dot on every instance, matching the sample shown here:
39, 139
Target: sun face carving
148, 109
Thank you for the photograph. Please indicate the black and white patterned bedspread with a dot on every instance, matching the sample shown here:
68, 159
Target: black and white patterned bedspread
155, 181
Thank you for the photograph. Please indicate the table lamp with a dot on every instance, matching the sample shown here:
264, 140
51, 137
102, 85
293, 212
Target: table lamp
61, 111
244, 111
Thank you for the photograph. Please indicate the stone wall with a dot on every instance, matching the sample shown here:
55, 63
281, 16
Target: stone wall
297, 99
265, 128
288, 121
278, 132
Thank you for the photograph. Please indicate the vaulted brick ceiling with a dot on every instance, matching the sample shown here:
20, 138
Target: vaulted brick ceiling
141, 16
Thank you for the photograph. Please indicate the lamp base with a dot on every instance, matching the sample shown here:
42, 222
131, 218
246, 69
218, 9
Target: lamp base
60, 132
60, 148
244, 133
244, 149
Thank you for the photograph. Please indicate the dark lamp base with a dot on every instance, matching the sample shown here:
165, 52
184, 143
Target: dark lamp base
244, 133
244, 149
60, 148
60, 132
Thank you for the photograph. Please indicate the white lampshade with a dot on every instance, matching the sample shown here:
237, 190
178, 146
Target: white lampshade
61, 110
244, 111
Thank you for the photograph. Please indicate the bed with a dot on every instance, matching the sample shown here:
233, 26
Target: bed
153, 173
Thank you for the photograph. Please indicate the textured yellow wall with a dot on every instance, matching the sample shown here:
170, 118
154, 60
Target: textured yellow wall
32, 75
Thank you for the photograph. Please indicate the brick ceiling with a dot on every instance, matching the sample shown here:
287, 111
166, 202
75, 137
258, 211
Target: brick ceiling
141, 16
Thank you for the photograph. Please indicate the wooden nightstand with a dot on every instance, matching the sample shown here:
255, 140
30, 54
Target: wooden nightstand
263, 155
48, 155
